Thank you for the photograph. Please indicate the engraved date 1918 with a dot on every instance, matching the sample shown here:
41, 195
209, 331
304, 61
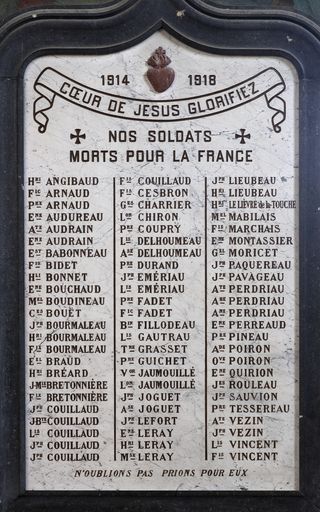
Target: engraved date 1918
202, 80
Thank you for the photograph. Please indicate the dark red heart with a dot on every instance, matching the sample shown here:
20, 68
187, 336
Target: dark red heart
160, 78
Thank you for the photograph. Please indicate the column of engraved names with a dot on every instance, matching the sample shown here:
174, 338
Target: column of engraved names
216, 317
34, 317
124, 347
256, 288
161, 332
74, 326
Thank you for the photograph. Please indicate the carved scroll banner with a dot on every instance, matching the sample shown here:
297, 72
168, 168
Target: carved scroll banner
51, 83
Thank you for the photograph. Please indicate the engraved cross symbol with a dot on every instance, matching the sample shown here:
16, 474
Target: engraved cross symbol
77, 136
243, 136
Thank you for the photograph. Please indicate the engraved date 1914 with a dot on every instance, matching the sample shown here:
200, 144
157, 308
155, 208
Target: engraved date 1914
114, 80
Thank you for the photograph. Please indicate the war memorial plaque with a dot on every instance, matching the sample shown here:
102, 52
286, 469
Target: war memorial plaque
167, 245
161, 247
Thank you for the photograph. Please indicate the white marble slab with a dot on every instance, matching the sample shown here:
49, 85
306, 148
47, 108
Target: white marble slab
161, 272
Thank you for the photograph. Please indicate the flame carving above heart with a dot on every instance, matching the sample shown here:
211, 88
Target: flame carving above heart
159, 74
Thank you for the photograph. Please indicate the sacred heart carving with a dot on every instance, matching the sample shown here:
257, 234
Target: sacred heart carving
159, 74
